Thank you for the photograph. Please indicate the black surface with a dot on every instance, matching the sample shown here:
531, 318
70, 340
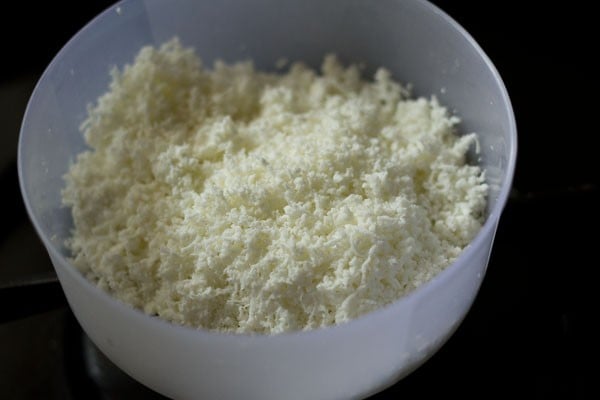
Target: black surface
24, 301
530, 332
11, 200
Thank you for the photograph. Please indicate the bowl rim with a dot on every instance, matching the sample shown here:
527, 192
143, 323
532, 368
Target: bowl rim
425, 290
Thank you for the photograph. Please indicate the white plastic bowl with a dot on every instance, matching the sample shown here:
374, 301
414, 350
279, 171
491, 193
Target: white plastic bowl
416, 41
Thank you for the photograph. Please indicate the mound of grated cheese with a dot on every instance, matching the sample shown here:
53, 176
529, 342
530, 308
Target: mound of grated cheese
241, 201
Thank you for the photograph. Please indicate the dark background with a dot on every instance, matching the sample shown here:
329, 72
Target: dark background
530, 332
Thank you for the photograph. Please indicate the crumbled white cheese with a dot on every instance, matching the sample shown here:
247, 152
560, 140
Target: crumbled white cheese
235, 200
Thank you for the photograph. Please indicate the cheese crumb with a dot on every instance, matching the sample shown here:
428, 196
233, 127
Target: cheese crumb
236, 200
